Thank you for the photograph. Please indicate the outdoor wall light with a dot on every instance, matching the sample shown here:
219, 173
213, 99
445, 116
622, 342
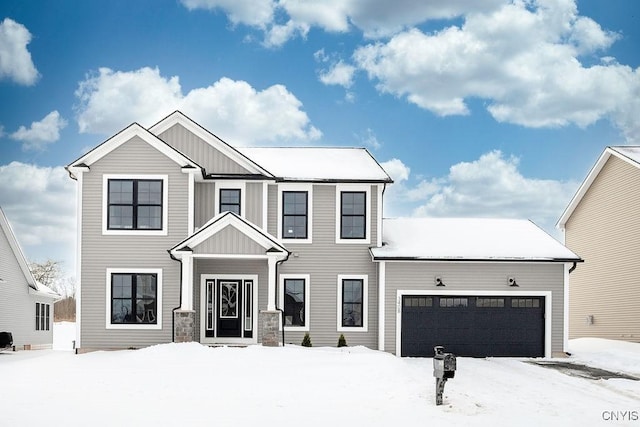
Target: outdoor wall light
439, 281
512, 282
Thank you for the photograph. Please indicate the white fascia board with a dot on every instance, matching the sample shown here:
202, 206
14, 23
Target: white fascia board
125, 135
586, 184
17, 250
178, 117
220, 222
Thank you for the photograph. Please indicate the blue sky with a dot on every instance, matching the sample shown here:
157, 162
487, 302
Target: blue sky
475, 107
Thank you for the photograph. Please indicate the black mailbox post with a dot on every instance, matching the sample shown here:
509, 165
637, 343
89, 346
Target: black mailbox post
444, 367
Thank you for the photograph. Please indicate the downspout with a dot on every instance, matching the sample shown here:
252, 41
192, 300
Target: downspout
575, 264
173, 310
277, 293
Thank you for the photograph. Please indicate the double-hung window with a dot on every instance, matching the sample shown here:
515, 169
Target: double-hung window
135, 204
294, 300
353, 215
230, 200
134, 298
352, 302
43, 316
294, 214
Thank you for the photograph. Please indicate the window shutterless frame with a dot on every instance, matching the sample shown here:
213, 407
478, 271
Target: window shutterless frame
295, 214
230, 200
353, 215
135, 204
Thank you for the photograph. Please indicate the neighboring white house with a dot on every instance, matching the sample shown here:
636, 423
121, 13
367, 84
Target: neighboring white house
183, 237
26, 306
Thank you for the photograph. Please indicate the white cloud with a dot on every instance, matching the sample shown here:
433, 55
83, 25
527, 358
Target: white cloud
340, 74
523, 58
41, 133
40, 204
491, 186
15, 59
397, 170
233, 110
375, 18
249, 12
369, 139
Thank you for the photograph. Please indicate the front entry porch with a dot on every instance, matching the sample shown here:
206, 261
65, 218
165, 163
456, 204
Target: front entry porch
229, 270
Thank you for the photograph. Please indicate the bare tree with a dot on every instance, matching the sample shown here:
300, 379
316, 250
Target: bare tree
47, 273
50, 274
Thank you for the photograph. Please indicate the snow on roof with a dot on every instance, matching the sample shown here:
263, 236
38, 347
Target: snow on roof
630, 151
469, 239
317, 163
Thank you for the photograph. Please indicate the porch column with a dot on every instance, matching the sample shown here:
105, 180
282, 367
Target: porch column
271, 289
187, 282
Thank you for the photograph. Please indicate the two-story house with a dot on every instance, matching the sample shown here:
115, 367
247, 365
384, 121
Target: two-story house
183, 237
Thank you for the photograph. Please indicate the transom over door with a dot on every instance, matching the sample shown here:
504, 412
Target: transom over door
476, 326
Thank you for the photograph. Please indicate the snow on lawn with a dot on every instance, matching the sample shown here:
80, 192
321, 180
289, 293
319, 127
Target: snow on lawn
190, 384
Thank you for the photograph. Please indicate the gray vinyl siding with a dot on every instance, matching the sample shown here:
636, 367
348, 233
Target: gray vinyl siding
100, 252
200, 151
206, 197
604, 231
230, 266
229, 241
474, 277
204, 202
17, 306
324, 260
253, 201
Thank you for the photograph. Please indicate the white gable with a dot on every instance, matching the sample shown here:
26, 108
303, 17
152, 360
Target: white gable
629, 154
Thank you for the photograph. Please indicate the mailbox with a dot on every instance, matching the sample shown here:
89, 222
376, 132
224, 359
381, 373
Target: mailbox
444, 367
444, 364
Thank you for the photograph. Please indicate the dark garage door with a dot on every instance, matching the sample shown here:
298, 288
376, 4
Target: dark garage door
475, 326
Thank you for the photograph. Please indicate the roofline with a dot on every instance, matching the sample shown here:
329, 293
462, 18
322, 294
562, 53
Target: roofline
588, 181
179, 117
124, 135
459, 259
17, 250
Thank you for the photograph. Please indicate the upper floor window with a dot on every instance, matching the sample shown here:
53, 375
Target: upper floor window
353, 208
230, 200
294, 214
135, 204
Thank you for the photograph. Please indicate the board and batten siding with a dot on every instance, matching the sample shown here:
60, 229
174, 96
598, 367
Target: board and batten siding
323, 260
229, 240
604, 229
17, 306
231, 267
474, 277
100, 252
200, 151
206, 197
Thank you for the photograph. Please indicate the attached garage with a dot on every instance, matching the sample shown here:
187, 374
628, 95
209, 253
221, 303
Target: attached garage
478, 287
475, 326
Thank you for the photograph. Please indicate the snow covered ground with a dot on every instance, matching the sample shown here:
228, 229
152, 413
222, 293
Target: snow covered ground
189, 384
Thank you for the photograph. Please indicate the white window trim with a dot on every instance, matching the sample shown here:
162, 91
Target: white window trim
230, 185
365, 303
307, 299
296, 187
366, 188
105, 206
110, 271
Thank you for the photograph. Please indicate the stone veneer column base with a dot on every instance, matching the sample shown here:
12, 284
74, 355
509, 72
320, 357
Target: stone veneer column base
270, 328
184, 325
